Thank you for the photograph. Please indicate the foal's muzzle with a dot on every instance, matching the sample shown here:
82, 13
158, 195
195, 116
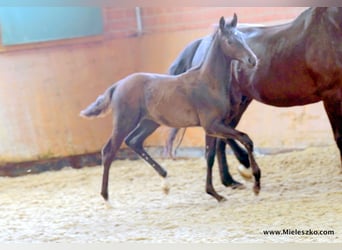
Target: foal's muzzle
252, 62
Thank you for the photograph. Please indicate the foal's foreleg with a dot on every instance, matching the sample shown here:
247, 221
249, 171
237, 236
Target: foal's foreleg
226, 178
242, 156
219, 129
210, 157
239, 153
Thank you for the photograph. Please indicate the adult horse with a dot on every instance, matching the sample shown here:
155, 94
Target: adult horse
300, 63
200, 97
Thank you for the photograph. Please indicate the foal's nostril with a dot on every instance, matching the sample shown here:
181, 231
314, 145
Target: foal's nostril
252, 61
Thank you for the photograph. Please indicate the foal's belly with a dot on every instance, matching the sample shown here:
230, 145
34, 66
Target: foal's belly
168, 102
175, 114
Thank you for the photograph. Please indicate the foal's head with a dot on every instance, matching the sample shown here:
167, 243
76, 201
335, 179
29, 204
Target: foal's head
233, 44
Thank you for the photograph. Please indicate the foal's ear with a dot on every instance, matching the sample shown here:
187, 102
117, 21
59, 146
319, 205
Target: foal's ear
234, 21
222, 23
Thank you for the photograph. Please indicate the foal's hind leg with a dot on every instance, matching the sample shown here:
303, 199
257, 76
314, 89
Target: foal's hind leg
108, 153
135, 141
122, 126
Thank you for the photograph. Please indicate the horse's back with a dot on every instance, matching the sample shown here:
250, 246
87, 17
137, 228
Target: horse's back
184, 60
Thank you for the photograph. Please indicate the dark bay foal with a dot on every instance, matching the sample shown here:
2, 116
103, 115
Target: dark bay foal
203, 96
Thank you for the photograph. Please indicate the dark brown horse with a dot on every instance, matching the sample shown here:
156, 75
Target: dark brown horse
200, 97
300, 63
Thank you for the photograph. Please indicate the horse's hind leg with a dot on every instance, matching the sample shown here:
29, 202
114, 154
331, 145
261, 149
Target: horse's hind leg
135, 141
333, 108
169, 143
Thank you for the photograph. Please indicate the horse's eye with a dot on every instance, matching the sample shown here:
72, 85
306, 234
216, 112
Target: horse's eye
229, 41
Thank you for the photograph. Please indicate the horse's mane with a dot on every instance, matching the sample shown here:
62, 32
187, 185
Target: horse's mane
213, 36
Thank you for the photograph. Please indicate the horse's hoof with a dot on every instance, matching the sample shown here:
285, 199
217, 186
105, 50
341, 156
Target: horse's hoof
246, 173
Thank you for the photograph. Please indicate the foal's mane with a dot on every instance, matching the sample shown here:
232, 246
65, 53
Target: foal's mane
213, 40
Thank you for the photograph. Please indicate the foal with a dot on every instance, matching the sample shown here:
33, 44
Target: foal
199, 97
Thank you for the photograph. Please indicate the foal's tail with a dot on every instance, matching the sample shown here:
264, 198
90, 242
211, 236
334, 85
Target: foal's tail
101, 106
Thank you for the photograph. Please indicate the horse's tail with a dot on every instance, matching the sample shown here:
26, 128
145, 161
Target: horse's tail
181, 139
101, 106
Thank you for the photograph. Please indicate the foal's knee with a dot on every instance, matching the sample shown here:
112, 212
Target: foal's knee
247, 141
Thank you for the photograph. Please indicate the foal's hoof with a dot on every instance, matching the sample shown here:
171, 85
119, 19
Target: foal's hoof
165, 186
256, 190
108, 205
246, 173
104, 195
221, 199
237, 185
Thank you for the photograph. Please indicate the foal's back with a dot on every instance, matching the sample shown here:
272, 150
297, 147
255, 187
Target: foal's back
160, 97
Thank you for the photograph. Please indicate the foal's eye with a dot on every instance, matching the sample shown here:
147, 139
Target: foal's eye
230, 42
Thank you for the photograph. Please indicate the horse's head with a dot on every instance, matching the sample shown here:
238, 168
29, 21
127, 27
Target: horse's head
233, 43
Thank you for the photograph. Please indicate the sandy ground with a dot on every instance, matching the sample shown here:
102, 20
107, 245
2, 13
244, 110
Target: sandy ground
300, 191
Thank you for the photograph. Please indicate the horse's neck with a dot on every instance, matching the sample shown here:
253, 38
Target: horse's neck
329, 17
313, 19
216, 66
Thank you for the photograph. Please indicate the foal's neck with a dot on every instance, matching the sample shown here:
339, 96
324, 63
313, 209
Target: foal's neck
216, 65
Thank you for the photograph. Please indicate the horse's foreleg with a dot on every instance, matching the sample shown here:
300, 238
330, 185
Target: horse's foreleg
219, 129
333, 108
135, 141
210, 149
226, 178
